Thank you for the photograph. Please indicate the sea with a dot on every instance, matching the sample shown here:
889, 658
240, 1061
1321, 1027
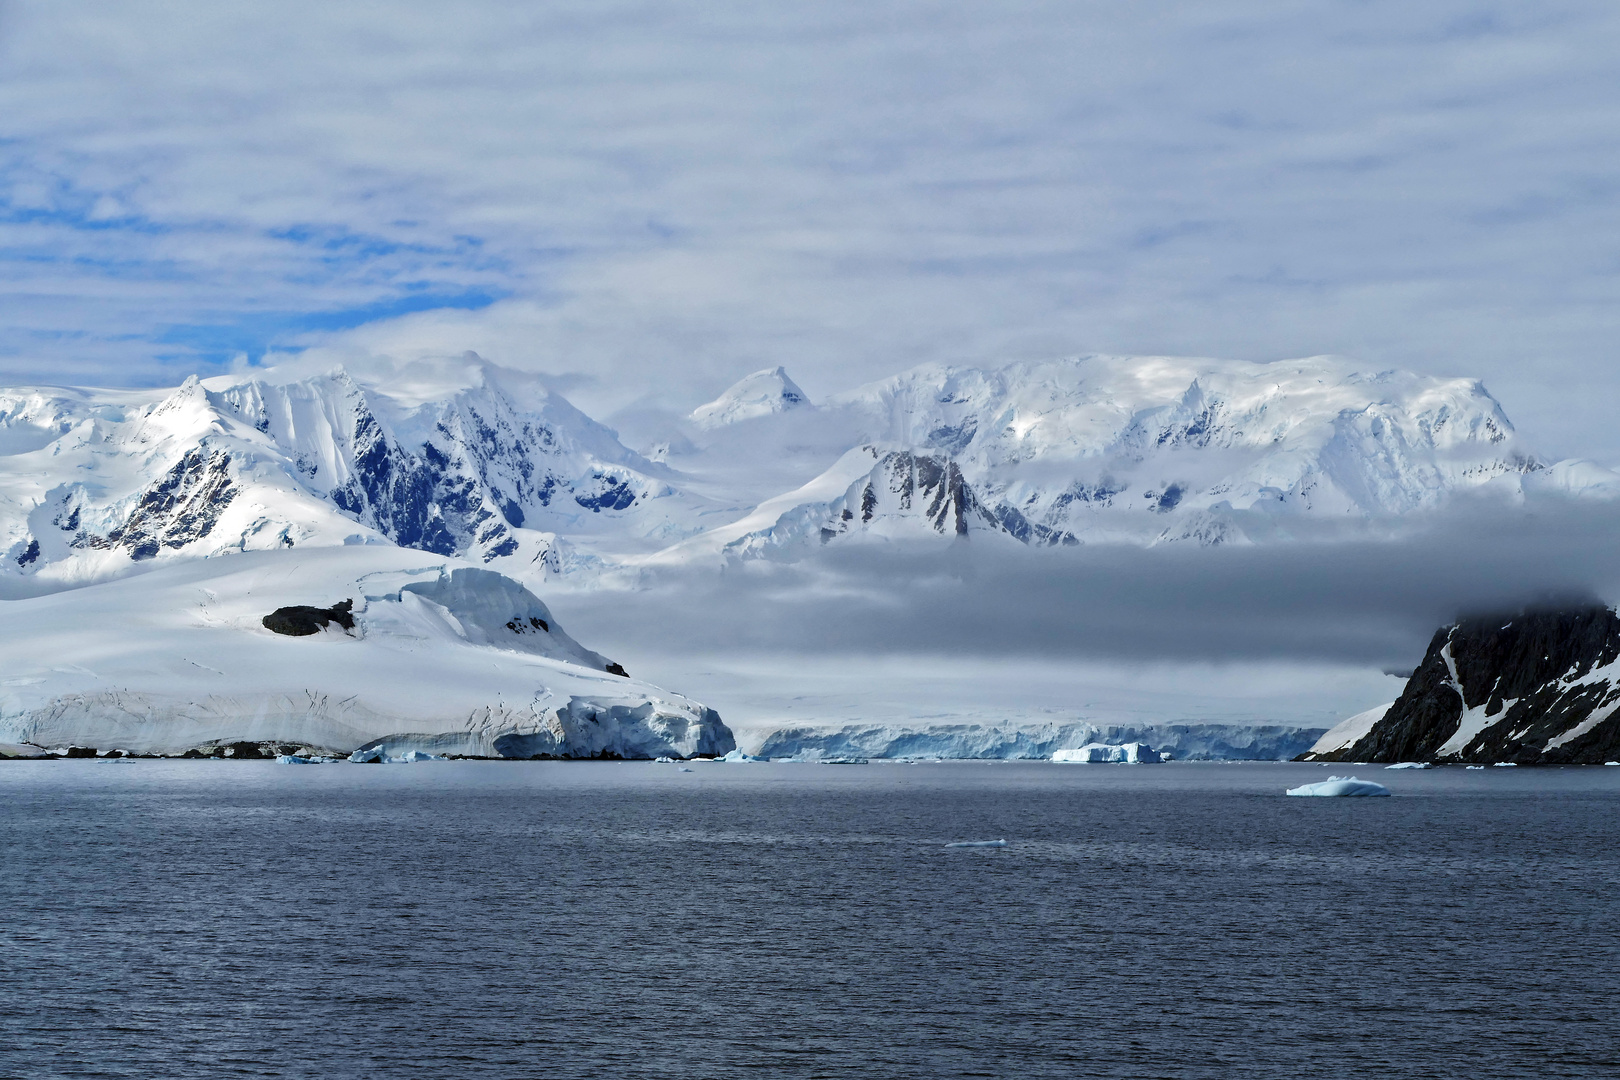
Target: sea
169, 919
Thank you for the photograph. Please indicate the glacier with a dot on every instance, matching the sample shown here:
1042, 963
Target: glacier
1184, 742
444, 658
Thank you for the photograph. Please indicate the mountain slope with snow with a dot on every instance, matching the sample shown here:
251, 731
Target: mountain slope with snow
1532, 687
491, 466
96, 482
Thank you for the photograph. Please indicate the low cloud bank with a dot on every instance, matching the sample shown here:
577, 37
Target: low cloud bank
1372, 602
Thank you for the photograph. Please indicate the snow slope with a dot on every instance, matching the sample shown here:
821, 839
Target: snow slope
1349, 731
444, 656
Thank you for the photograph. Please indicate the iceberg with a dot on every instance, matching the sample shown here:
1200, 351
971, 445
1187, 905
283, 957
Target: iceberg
1133, 753
979, 843
1411, 765
1340, 786
738, 755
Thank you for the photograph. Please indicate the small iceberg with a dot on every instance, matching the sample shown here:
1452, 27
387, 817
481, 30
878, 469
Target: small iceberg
296, 759
663, 761
1411, 765
738, 755
1340, 787
1505, 764
1471, 768
979, 843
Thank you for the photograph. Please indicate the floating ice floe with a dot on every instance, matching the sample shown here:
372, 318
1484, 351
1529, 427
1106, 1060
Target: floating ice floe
1505, 764
381, 756
1341, 786
1133, 753
1612, 763
1471, 768
1411, 765
738, 755
979, 843
298, 759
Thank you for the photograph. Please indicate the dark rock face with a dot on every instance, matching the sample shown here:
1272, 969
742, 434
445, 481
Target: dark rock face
1531, 687
182, 506
933, 487
301, 621
466, 488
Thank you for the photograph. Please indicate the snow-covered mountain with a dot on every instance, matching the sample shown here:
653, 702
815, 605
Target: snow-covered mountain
1148, 449
438, 656
93, 482
302, 476
488, 465
763, 393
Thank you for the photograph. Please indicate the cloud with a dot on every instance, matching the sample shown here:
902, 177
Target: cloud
1374, 603
664, 197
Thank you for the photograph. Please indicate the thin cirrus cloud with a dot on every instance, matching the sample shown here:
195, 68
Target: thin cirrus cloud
658, 198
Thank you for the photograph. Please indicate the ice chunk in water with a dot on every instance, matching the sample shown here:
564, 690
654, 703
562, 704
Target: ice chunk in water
1341, 786
1411, 765
1135, 753
979, 843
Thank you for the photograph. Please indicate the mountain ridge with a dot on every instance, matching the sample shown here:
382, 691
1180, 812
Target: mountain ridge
488, 464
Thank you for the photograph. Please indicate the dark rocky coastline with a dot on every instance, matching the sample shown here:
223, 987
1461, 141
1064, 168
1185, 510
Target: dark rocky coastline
1531, 687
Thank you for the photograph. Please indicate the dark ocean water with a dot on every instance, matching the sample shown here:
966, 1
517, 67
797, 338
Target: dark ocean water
470, 919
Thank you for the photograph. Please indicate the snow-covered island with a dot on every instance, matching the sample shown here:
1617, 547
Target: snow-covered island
440, 657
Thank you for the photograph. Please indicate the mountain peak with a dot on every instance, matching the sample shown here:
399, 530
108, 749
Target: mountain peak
760, 394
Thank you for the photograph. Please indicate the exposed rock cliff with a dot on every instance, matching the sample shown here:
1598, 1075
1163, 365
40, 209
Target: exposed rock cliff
1532, 687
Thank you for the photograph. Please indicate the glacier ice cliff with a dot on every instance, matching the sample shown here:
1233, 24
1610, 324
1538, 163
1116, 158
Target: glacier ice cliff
1197, 742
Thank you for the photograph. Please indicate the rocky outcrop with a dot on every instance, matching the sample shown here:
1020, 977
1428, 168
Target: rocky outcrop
1530, 687
300, 620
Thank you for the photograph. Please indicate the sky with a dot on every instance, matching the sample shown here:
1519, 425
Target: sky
648, 201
